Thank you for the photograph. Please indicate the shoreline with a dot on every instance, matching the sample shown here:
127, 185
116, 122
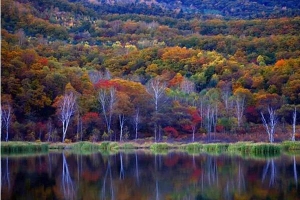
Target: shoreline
260, 149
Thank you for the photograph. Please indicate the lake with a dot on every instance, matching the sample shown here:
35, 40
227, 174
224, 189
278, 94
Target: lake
143, 175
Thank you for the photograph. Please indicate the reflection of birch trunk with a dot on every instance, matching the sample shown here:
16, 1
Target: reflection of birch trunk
67, 182
103, 193
79, 167
156, 190
241, 179
5, 180
271, 165
155, 162
137, 169
295, 171
121, 167
212, 171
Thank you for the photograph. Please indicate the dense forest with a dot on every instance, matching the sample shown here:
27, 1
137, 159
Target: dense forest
103, 70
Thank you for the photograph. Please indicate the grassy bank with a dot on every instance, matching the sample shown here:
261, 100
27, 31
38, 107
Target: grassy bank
239, 148
23, 147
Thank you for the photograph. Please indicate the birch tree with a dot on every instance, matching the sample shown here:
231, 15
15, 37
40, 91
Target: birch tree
241, 96
95, 76
211, 103
6, 114
66, 109
225, 95
156, 88
123, 109
294, 123
136, 120
271, 125
107, 99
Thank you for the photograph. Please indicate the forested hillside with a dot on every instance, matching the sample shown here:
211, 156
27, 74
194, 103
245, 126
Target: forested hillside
95, 70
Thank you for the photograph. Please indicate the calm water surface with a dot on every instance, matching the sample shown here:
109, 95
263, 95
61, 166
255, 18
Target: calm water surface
142, 175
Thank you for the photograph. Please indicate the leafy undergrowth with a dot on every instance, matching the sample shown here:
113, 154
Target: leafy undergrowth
23, 147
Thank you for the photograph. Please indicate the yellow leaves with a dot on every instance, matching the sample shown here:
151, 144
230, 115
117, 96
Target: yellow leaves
152, 70
257, 82
176, 54
36, 66
240, 91
69, 87
130, 47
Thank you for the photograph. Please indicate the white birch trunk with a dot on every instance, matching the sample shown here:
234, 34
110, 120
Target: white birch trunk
270, 127
294, 124
136, 122
6, 112
121, 121
67, 109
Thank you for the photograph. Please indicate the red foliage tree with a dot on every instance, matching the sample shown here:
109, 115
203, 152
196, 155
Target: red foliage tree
171, 131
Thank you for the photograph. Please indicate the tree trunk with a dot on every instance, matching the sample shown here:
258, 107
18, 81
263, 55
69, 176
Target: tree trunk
6, 139
121, 120
294, 124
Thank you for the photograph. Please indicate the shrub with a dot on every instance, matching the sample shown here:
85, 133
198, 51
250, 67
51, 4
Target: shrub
68, 141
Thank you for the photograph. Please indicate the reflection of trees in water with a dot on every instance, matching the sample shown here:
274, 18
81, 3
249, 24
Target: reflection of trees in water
137, 174
220, 180
121, 167
211, 171
150, 176
295, 171
5, 175
106, 182
241, 183
270, 167
67, 182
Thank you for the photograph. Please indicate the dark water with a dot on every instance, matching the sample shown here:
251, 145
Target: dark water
141, 175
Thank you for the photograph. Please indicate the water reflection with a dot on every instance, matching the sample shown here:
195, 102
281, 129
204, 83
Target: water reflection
295, 171
270, 166
67, 182
107, 186
142, 175
5, 174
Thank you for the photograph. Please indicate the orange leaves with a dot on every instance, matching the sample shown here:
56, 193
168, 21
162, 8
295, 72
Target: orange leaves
104, 84
176, 54
43, 61
280, 63
264, 100
176, 81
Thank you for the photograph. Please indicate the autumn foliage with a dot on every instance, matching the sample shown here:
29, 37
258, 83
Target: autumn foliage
214, 75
